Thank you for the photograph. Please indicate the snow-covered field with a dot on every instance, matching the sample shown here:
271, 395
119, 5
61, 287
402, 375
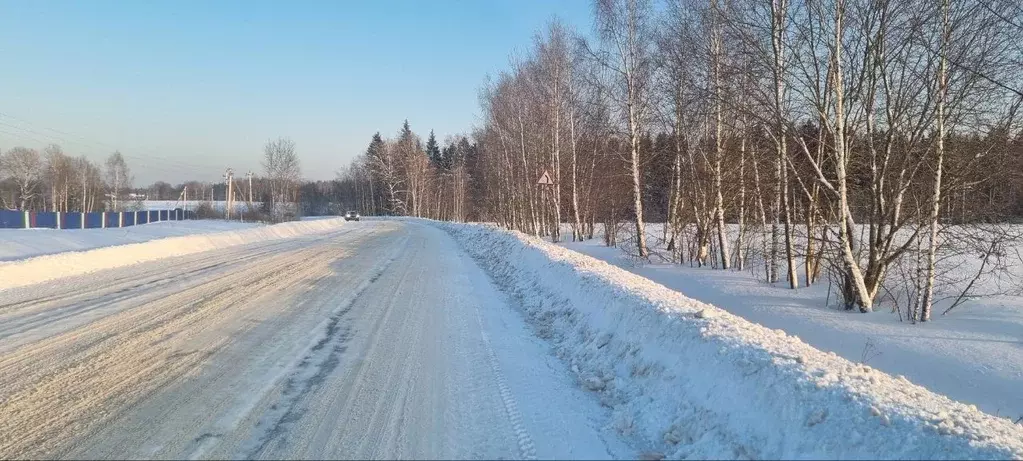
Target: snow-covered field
693, 380
27, 243
114, 251
973, 355
218, 205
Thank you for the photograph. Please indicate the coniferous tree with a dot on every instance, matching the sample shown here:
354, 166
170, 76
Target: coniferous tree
433, 152
376, 145
373, 154
448, 157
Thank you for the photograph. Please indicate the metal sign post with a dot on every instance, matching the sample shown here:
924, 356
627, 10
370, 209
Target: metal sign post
544, 183
545, 179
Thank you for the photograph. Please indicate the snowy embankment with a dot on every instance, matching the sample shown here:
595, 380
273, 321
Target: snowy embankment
693, 380
71, 263
973, 355
29, 243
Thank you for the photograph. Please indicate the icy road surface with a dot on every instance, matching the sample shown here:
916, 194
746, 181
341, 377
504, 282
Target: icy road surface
380, 340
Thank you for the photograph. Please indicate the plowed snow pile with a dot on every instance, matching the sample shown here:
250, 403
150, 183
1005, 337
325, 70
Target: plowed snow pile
16, 244
54, 266
695, 381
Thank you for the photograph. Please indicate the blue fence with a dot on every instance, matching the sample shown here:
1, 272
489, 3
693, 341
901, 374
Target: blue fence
93, 220
46, 220
73, 221
12, 219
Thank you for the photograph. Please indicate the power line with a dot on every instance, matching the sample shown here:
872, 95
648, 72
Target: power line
22, 136
176, 164
93, 148
157, 168
44, 134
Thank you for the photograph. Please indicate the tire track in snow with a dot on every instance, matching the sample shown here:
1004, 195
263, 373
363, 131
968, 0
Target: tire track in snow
306, 374
527, 449
76, 287
73, 308
29, 296
87, 386
28, 317
417, 379
398, 374
354, 402
213, 406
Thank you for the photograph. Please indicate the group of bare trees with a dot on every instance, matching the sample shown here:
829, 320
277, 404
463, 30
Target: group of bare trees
838, 137
283, 172
401, 176
55, 181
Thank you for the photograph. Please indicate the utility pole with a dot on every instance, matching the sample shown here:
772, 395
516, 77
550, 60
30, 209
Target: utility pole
229, 179
249, 175
117, 184
183, 199
234, 197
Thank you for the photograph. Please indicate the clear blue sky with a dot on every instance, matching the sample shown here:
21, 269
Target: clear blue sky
187, 88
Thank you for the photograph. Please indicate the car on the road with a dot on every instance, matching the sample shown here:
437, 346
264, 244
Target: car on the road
352, 216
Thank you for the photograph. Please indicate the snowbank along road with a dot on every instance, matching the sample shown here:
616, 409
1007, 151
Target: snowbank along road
690, 380
373, 340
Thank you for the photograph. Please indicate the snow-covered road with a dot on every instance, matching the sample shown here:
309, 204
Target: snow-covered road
378, 340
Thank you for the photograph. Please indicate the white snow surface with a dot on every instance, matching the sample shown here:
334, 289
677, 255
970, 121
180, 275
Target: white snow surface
218, 205
27, 243
370, 340
973, 355
692, 380
58, 265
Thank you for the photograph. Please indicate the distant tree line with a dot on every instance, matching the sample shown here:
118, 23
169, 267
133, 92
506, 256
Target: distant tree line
403, 177
864, 139
874, 142
54, 181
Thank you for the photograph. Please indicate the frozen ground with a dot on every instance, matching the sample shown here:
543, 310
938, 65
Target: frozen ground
974, 354
26, 243
369, 340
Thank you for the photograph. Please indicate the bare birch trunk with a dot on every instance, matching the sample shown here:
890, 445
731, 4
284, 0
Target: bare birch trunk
932, 245
719, 206
637, 192
675, 196
589, 196
556, 192
534, 225
740, 260
577, 231
763, 217
790, 253
776, 216
779, 9
846, 224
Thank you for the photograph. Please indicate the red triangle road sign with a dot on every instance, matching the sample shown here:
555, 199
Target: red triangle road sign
545, 179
